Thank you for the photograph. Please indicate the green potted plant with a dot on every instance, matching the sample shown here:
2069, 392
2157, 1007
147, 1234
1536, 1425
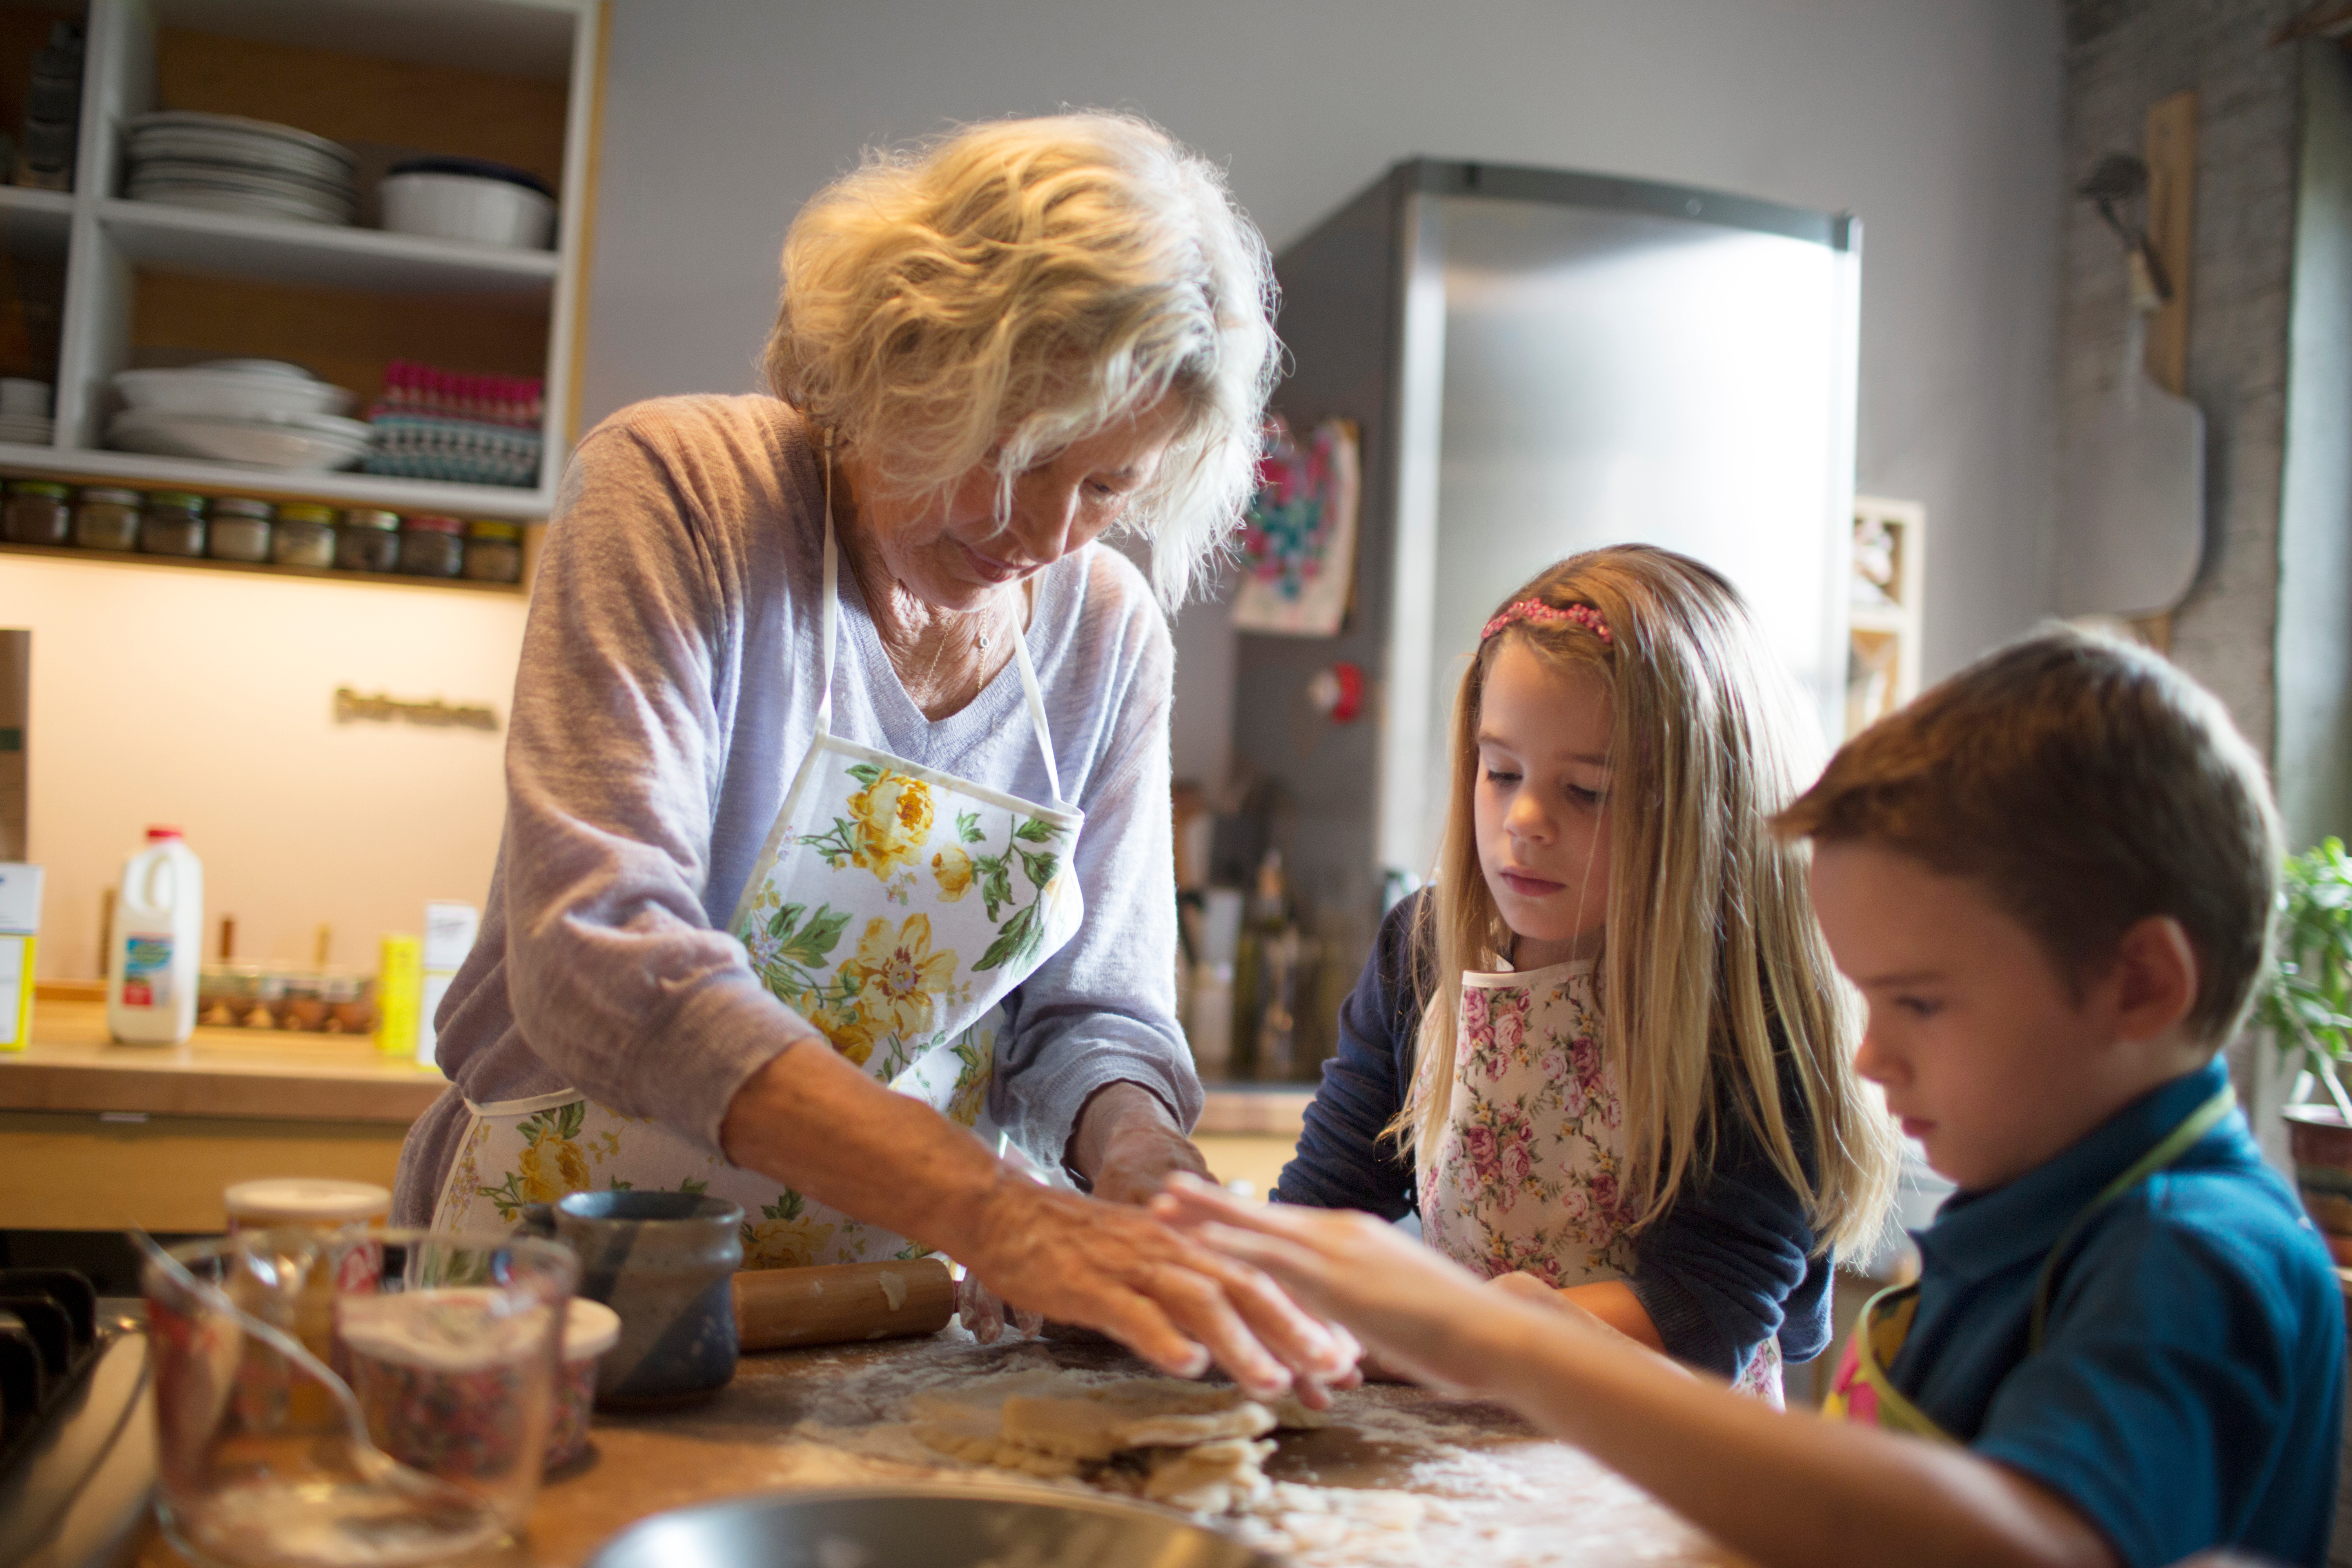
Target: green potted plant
2308, 1010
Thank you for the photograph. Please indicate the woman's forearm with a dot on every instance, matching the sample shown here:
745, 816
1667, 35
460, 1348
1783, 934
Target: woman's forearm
1779, 1489
819, 1125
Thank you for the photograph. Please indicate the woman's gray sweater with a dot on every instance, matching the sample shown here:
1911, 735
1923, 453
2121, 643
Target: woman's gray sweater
665, 695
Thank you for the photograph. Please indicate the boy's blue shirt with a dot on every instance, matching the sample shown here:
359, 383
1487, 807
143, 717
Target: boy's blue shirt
2188, 1391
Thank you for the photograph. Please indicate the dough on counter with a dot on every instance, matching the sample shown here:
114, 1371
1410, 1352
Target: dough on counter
972, 1434
1156, 1413
1210, 1477
1201, 1442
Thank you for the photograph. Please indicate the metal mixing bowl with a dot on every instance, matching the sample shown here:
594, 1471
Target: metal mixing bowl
953, 1525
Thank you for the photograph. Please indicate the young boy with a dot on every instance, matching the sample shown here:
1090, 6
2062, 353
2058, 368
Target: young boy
2050, 878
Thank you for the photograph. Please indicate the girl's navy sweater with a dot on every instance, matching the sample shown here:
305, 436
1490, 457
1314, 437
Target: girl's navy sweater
1729, 1266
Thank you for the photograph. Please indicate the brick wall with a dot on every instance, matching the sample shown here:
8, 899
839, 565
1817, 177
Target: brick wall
2122, 56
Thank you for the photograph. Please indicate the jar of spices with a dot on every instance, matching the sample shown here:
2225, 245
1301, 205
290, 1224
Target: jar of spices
368, 541
240, 528
36, 513
306, 536
433, 546
493, 552
107, 519
172, 524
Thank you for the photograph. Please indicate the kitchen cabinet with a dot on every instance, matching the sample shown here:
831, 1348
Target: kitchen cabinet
94, 1136
515, 82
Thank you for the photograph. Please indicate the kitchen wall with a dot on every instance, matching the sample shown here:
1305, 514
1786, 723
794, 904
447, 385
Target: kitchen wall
206, 700
163, 694
1938, 121
2122, 56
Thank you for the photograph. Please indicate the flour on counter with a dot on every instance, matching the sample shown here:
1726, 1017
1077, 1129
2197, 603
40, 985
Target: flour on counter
1397, 1479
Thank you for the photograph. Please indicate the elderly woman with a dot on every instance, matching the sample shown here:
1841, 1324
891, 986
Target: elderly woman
837, 819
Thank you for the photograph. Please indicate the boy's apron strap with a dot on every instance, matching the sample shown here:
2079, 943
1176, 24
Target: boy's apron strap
2173, 1145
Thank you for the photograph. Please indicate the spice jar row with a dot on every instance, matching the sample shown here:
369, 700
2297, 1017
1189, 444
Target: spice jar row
257, 996
234, 528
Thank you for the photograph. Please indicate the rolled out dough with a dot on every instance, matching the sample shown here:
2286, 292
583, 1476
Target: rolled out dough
1213, 1478
1096, 1423
1202, 1442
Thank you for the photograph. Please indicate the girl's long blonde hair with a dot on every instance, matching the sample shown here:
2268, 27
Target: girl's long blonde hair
1711, 967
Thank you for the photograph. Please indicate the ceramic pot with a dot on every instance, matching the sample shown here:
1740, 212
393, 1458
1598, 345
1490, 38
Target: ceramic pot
2322, 1145
666, 1263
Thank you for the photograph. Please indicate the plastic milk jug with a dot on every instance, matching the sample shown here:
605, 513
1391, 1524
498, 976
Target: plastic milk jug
154, 949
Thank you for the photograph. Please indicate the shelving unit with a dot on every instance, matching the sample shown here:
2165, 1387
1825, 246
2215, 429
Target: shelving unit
1890, 563
255, 568
145, 283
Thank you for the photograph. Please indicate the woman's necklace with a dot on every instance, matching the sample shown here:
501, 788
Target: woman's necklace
899, 612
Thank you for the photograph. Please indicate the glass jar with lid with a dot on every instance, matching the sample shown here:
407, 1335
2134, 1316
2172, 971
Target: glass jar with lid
36, 513
106, 519
240, 528
368, 541
306, 536
172, 523
493, 552
432, 546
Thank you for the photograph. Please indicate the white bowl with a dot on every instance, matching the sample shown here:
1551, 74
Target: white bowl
308, 443
213, 392
462, 206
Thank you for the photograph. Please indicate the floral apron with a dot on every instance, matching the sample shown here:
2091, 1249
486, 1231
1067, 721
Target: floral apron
1529, 1175
893, 906
1863, 1394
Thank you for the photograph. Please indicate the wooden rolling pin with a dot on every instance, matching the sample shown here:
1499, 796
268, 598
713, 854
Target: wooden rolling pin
842, 1303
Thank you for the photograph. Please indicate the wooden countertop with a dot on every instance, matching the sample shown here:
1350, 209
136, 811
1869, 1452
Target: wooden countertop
1495, 1490
70, 1065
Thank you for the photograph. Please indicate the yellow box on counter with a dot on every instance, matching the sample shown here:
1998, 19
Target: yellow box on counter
399, 994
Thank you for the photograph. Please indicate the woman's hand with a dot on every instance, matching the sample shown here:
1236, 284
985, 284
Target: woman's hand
1178, 1305
820, 1125
1416, 1310
1127, 1145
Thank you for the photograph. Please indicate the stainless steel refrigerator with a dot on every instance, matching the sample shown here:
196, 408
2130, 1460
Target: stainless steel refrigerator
1539, 362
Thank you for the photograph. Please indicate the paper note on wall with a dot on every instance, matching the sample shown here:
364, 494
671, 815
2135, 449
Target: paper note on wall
449, 930
20, 926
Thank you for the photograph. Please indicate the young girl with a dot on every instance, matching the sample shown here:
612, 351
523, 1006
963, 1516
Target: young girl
1605, 1050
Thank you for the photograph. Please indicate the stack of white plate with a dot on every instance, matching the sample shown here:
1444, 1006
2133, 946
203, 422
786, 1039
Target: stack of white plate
226, 164
260, 413
24, 411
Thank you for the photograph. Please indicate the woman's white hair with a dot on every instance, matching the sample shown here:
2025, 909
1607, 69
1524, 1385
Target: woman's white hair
997, 294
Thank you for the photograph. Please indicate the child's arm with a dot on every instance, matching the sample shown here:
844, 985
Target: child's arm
1611, 1300
1780, 1489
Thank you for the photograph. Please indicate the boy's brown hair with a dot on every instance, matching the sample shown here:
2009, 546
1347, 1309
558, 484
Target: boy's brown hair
2086, 784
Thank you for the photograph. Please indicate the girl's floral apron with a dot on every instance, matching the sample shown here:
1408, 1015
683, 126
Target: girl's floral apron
893, 906
1530, 1176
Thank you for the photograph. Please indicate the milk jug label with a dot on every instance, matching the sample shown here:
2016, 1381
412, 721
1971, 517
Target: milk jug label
147, 972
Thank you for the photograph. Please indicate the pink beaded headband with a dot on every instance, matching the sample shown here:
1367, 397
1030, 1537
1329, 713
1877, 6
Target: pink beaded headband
1536, 610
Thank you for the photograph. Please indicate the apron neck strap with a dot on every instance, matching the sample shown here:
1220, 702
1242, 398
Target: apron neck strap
2174, 1144
830, 629
831, 616
1036, 711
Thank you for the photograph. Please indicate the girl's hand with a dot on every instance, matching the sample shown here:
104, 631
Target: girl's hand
1419, 1313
